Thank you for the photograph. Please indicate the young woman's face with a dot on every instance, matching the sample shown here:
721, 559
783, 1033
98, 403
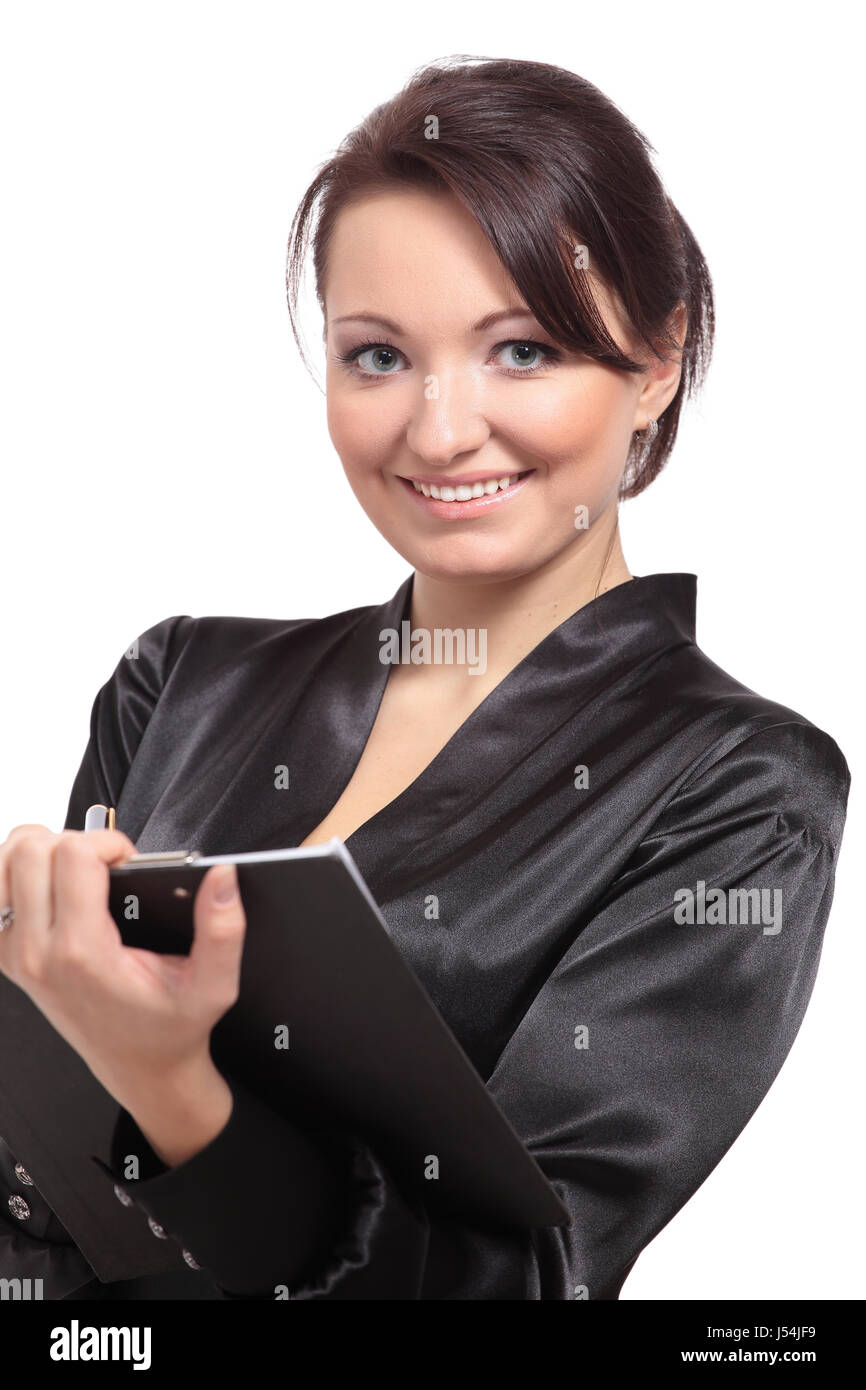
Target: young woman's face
433, 396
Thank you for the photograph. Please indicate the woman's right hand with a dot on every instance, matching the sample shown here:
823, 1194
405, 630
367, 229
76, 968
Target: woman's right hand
140, 1020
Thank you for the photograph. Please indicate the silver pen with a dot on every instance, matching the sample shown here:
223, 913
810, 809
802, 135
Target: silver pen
99, 817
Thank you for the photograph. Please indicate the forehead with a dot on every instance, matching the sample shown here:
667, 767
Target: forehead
390, 240
420, 258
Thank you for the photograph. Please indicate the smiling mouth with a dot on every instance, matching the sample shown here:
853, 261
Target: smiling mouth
467, 492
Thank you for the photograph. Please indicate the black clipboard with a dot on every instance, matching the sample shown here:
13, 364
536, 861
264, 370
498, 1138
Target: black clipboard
368, 1053
368, 1050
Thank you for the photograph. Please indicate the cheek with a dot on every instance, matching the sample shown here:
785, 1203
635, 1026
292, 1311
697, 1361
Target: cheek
574, 414
577, 432
341, 422
358, 424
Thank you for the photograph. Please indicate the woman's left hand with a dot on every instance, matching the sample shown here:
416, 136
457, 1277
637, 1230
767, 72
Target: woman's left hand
140, 1020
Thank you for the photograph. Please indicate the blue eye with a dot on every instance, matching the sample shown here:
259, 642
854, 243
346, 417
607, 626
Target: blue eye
384, 356
527, 357
383, 359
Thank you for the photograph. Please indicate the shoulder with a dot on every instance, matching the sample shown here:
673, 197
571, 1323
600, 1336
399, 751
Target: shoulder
739, 752
216, 641
186, 651
761, 754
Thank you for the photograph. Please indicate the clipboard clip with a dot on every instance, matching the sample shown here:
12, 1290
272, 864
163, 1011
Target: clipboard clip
175, 856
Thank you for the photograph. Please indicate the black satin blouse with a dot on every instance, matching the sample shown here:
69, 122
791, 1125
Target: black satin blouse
612, 773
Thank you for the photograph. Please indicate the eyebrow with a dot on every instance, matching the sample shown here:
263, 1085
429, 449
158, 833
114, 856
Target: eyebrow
481, 326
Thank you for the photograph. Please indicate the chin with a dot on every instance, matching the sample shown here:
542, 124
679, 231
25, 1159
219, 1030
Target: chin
470, 565
469, 559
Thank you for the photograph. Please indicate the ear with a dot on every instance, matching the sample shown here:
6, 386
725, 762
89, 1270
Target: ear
663, 372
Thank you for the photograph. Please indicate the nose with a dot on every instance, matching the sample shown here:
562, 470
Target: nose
446, 419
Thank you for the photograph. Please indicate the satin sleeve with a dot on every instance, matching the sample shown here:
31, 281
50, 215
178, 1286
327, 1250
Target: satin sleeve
120, 714
633, 1070
57, 1271
39, 1247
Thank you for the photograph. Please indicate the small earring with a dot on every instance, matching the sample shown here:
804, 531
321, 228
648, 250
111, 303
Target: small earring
651, 431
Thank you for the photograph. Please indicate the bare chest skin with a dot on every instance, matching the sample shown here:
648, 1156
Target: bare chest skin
415, 721
423, 707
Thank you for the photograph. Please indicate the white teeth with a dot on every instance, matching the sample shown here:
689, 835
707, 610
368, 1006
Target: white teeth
464, 492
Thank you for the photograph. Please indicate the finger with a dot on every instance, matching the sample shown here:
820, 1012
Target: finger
112, 846
81, 859
14, 836
28, 880
11, 840
220, 925
18, 830
22, 951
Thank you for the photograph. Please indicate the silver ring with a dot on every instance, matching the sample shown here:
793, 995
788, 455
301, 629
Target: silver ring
7, 917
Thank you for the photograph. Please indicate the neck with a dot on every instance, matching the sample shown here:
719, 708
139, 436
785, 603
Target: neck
517, 614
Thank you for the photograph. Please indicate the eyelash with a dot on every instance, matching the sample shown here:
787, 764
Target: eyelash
347, 359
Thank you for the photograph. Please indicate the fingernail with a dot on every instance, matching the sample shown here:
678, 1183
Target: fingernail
227, 889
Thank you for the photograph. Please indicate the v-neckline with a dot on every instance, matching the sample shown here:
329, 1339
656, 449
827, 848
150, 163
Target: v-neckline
674, 616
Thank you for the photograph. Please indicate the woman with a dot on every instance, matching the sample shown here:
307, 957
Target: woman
609, 863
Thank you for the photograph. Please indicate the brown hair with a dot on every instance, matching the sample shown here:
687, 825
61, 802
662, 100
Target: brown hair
531, 149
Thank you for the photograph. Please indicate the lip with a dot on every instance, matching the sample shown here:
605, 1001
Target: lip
463, 511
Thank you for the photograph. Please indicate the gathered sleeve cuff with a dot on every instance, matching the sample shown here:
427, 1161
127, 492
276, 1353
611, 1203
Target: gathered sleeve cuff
271, 1211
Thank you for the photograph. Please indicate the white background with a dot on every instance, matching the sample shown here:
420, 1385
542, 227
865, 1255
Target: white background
165, 451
